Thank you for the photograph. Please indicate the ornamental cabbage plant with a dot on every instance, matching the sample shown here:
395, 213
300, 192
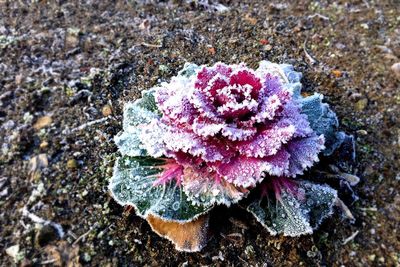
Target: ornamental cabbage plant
212, 135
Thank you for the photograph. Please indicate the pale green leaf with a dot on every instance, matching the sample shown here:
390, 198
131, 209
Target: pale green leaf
133, 184
295, 214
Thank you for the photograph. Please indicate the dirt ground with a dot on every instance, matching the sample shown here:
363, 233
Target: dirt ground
66, 69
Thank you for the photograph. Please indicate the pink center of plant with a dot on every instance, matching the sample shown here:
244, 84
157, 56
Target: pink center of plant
236, 124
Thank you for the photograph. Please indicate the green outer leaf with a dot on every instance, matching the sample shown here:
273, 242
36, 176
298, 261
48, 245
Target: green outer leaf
189, 69
129, 143
322, 120
132, 184
148, 101
292, 215
137, 113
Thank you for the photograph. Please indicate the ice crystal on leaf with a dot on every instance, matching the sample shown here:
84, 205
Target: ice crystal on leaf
213, 133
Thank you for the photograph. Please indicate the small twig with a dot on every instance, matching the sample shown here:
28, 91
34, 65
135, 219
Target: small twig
23, 224
339, 203
71, 234
83, 126
369, 209
309, 57
347, 240
37, 219
151, 45
242, 260
48, 261
85, 234
319, 16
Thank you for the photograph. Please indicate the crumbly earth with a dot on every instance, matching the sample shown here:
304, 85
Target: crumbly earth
66, 69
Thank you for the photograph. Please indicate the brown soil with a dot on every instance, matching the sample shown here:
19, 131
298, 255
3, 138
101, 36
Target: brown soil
60, 172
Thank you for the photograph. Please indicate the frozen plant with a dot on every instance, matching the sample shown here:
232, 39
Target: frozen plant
213, 134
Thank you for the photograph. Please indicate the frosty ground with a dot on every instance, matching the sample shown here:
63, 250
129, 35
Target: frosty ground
67, 68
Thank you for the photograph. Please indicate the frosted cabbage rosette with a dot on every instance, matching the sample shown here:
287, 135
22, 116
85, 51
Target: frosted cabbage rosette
228, 127
211, 134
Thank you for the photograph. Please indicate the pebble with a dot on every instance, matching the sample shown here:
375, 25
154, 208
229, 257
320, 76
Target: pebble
361, 104
13, 252
337, 73
106, 110
372, 257
72, 38
396, 69
72, 164
36, 164
268, 47
362, 132
85, 193
18, 79
44, 144
42, 122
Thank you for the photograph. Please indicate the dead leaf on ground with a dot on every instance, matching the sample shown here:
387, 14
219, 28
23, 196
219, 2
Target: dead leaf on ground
191, 236
63, 255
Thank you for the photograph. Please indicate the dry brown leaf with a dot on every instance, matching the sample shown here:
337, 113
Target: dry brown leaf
64, 255
191, 236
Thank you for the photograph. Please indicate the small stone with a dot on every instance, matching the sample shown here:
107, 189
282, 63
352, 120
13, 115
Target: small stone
396, 69
36, 164
18, 79
364, 26
361, 104
268, 47
372, 257
85, 193
145, 25
337, 73
42, 122
44, 145
381, 259
72, 38
72, 164
106, 110
362, 132
13, 252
